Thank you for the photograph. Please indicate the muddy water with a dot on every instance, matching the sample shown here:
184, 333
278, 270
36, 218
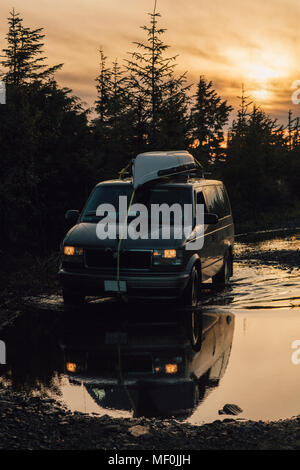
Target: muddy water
244, 356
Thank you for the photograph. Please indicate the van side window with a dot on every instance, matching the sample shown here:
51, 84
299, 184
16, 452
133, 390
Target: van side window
226, 209
212, 200
200, 200
217, 200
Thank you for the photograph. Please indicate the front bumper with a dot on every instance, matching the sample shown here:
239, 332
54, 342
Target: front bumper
139, 285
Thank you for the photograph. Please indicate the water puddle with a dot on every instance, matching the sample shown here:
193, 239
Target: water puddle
259, 287
123, 360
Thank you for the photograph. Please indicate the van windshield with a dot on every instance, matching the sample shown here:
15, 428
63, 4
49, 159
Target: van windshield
110, 194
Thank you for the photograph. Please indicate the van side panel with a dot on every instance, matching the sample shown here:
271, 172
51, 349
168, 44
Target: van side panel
219, 237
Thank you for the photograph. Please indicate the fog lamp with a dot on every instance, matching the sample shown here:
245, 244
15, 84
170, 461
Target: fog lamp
171, 368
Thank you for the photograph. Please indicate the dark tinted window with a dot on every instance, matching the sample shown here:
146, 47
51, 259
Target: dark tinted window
217, 200
200, 200
212, 199
110, 194
106, 195
164, 195
225, 200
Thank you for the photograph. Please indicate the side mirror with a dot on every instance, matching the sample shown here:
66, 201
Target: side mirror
211, 219
72, 215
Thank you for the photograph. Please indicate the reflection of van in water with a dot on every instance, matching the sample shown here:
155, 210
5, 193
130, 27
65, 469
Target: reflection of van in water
162, 374
148, 268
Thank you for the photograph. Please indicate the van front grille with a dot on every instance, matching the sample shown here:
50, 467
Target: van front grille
108, 259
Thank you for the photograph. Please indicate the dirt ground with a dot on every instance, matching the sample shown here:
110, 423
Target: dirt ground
33, 423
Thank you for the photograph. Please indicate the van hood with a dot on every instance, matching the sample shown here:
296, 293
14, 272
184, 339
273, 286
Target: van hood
84, 235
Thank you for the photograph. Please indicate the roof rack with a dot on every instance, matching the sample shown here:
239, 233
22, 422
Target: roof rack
175, 170
151, 167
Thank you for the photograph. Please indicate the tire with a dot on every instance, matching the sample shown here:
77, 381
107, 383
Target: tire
192, 293
72, 300
222, 278
192, 319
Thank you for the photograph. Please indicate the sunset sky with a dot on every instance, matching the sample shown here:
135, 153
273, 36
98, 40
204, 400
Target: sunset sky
230, 42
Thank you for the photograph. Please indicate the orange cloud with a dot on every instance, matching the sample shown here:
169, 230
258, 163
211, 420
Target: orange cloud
250, 42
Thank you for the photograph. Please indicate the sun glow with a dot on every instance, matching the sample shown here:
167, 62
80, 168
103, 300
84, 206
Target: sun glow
262, 94
259, 67
261, 73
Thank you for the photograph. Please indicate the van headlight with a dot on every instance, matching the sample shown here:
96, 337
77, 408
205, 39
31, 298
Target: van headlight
72, 251
169, 257
168, 365
72, 255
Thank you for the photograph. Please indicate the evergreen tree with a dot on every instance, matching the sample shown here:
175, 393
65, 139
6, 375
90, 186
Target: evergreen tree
174, 124
120, 120
151, 80
45, 146
23, 56
254, 164
239, 126
209, 116
104, 89
111, 127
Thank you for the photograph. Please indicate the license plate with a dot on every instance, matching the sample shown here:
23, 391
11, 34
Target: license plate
112, 286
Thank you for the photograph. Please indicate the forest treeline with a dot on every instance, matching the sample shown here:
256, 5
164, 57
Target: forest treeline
53, 150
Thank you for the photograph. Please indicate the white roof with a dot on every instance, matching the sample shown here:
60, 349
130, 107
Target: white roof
147, 165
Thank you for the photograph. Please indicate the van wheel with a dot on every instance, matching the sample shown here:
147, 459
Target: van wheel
192, 293
192, 318
73, 300
222, 278
193, 327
